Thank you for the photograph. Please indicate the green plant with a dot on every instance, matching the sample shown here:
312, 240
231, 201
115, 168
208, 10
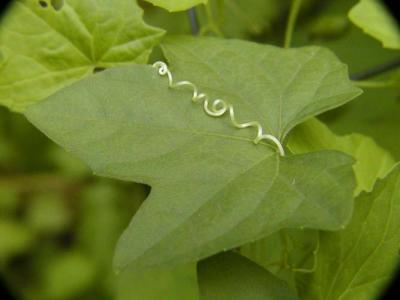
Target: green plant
226, 218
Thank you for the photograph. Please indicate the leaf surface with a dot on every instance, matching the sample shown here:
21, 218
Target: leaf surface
176, 5
373, 17
44, 49
372, 161
356, 263
166, 283
212, 188
231, 276
241, 18
289, 251
287, 86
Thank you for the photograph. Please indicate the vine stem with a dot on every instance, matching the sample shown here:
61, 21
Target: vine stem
377, 70
376, 84
293, 14
194, 22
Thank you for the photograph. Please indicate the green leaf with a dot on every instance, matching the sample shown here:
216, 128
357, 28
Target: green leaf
15, 239
288, 251
176, 283
356, 263
285, 252
372, 162
208, 179
241, 18
67, 276
176, 5
45, 49
231, 276
376, 112
287, 86
374, 19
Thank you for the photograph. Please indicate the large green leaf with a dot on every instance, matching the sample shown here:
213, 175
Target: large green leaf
357, 262
373, 17
213, 189
176, 5
231, 276
279, 88
44, 49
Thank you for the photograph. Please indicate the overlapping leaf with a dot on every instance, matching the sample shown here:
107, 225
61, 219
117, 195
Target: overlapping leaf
177, 283
289, 251
372, 161
44, 47
213, 189
231, 276
373, 17
242, 18
357, 262
176, 5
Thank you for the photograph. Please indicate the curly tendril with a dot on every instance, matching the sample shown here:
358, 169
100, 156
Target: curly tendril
217, 107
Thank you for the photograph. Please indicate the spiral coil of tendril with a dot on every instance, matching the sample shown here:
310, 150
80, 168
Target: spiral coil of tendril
218, 107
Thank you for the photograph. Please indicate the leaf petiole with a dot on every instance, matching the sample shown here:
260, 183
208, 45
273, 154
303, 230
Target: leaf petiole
293, 14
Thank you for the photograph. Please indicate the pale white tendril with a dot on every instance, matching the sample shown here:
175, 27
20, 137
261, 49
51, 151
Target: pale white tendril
217, 107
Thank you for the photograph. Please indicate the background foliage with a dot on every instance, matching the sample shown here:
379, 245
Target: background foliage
59, 224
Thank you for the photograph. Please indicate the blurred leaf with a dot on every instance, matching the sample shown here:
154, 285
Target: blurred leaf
242, 18
288, 250
9, 200
67, 276
48, 214
173, 23
329, 26
357, 262
67, 164
46, 49
15, 239
170, 283
374, 18
372, 162
196, 164
230, 276
105, 212
176, 5
375, 113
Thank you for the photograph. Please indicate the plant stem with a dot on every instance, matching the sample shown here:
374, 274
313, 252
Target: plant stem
211, 26
194, 23
377, 70
376, 84
293, 14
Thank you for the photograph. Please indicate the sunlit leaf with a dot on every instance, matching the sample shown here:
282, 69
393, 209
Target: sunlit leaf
374, 18
45, 49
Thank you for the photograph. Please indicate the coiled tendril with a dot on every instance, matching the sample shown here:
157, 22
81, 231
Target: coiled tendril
217, 107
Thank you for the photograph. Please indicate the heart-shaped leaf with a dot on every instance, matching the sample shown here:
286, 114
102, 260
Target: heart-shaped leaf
44, 47
213, 189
